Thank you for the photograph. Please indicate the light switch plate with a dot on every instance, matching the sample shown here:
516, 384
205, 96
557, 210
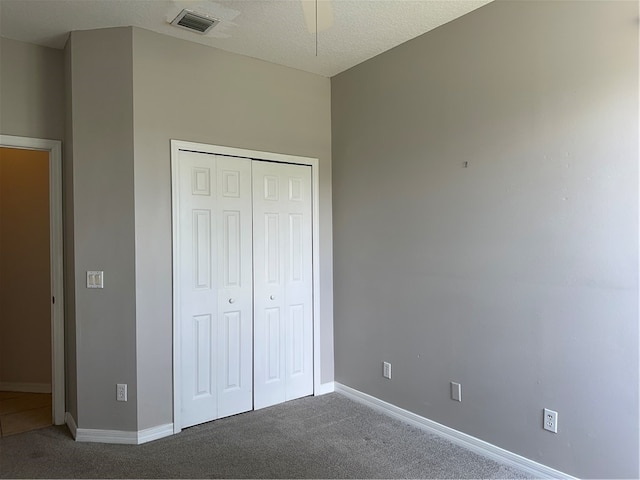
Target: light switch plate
95, 279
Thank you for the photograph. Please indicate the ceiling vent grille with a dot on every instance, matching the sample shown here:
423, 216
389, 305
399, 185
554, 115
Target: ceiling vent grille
196, 22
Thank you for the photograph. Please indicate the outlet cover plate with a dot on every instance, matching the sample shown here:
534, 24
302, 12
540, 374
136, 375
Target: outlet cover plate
121, 392
550, 420
386, 370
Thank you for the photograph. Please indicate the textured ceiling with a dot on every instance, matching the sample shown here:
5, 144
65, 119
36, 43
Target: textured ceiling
273, 30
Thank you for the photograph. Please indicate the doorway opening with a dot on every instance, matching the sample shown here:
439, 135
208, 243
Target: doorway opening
45, 274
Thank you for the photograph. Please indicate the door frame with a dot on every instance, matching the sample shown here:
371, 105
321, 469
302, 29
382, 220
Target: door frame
180, 145
54, 148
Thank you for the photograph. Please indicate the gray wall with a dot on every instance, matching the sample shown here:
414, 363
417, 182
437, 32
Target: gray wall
186, 91
132, 91
101, 81
516, 276
32, 90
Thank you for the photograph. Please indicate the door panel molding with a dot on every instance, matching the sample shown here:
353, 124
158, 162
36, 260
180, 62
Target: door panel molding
54, 147
290, 190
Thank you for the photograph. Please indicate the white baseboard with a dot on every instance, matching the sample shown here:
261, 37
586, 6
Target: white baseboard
25, 387
106, 436
71, 423
537, 470
324, 388
155, 433
117, 436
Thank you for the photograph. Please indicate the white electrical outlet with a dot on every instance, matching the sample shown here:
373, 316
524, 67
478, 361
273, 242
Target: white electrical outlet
550, 420
121, 392
386, 370
456, 391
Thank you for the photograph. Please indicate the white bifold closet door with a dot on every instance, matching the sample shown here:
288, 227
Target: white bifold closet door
216, 300
283, 309
244, 284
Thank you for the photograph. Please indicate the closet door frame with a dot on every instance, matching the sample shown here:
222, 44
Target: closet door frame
180, 145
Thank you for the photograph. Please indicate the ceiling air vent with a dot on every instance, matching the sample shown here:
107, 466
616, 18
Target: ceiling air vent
196, 22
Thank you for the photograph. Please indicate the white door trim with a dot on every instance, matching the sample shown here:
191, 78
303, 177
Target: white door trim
54, 147
176, 146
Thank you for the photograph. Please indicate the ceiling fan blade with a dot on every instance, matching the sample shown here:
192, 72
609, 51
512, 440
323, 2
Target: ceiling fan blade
324, 17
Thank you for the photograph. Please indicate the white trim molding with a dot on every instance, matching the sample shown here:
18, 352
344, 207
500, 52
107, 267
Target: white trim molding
324, 388
537, 470
25, 387
155, 433
105, 436
117, 436
71, 423
54, 147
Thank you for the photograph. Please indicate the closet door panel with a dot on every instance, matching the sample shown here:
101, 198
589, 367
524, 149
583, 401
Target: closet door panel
235, 291
215, 286
283, 338
198, 300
